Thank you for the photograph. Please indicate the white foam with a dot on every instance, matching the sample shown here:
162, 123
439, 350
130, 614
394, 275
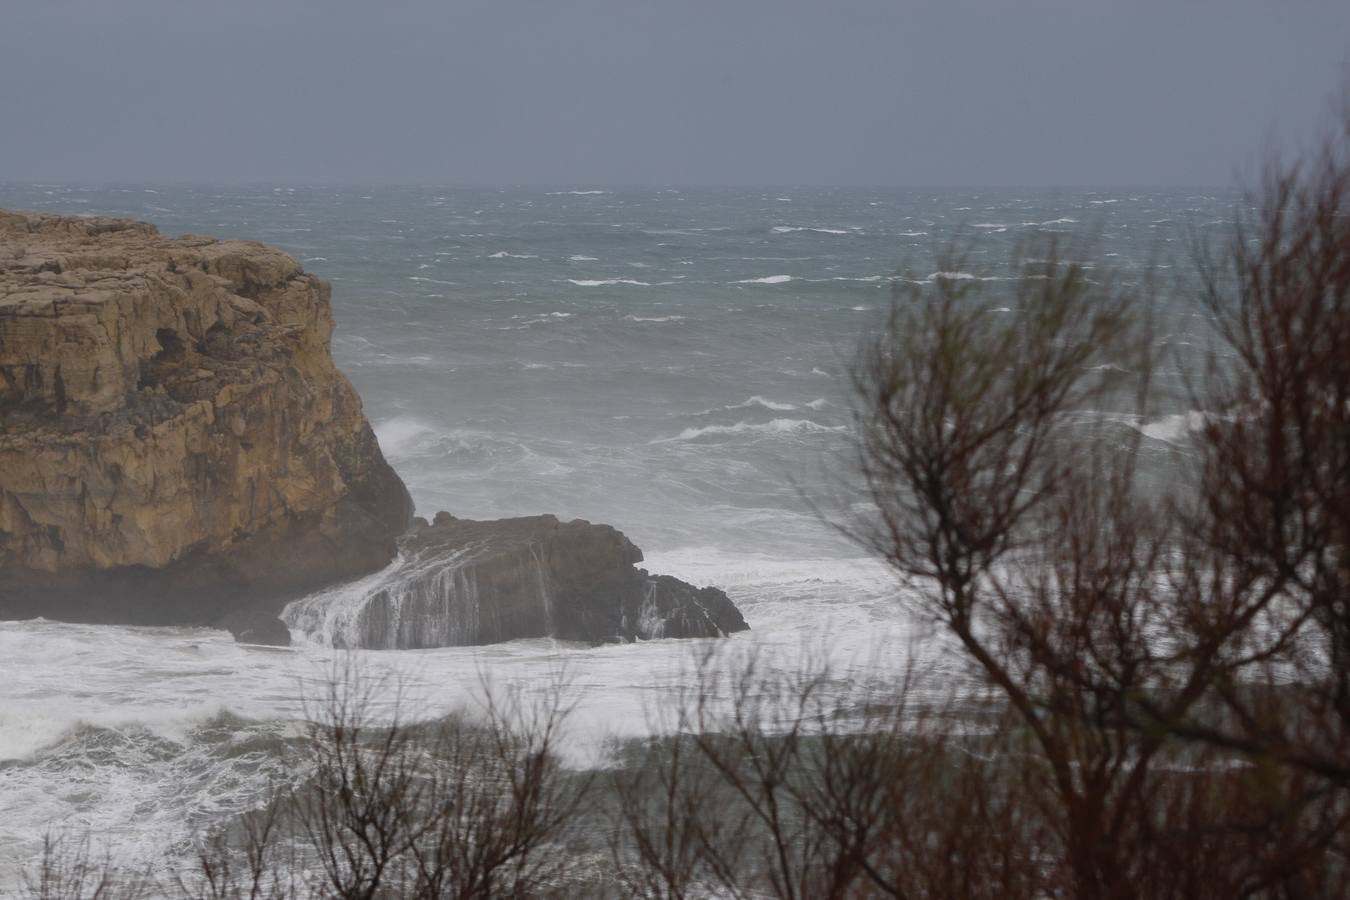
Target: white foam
575, 193
607, 282
540, 319
1063, 221
769, 279
402, 433
579, 258
789, 229
777, 426
1174, 429
502, 254
756, 400
632, 318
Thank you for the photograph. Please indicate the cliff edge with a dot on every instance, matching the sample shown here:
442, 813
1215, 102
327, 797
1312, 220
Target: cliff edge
175, 441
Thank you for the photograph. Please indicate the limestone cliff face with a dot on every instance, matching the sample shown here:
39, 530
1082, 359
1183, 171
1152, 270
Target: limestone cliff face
174, 436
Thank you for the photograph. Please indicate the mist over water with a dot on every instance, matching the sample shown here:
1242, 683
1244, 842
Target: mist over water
671, 362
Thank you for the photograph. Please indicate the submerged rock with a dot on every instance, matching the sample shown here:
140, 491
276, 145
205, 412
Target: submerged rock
174, 436
459, 582
255, 627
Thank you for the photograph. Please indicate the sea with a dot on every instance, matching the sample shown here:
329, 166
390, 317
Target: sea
671, 361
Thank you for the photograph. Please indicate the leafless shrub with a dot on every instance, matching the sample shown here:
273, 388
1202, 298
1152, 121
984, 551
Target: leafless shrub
248, 860
456, 808
792, 785
69, 869
1179, 666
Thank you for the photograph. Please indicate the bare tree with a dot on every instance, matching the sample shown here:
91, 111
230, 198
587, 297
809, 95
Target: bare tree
69, 869
1179, 665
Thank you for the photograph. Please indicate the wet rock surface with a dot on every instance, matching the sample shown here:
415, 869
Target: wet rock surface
460, 582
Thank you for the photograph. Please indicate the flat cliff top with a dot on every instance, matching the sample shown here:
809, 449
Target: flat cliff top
103, 315
47, 261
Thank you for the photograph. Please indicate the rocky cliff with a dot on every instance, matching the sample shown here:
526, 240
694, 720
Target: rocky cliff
174, 437
459, 582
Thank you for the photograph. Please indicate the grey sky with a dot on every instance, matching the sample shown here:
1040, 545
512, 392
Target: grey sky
983, 92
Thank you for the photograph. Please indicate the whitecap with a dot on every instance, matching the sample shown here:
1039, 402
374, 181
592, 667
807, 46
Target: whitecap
502, 254
604, 282
632, 318
769, 279
580, 258
574, 193
788, 229
776, 426
1173, 429
756, 400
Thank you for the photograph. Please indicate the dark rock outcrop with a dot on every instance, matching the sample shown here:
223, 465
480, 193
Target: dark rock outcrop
175, 440
256, 627
460, 582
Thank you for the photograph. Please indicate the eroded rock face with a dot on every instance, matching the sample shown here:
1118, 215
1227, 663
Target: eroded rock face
460, 582
174, 437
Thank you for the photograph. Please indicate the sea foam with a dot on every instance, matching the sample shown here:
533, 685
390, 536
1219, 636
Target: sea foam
776, 426
606, 282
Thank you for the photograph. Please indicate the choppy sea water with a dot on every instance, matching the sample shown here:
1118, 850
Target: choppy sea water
672, 362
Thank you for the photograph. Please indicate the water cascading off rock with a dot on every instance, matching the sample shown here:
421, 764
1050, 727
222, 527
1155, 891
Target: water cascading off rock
459, 582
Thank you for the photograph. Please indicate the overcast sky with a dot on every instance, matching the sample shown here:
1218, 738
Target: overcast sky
882, 92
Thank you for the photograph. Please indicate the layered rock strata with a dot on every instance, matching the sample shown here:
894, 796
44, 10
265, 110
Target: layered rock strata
459, 582
175, 441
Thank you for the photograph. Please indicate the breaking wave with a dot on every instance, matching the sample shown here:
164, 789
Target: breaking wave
605, 282
789, 229
777, 426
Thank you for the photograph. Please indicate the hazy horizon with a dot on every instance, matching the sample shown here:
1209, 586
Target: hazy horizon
966, 94
578, 186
